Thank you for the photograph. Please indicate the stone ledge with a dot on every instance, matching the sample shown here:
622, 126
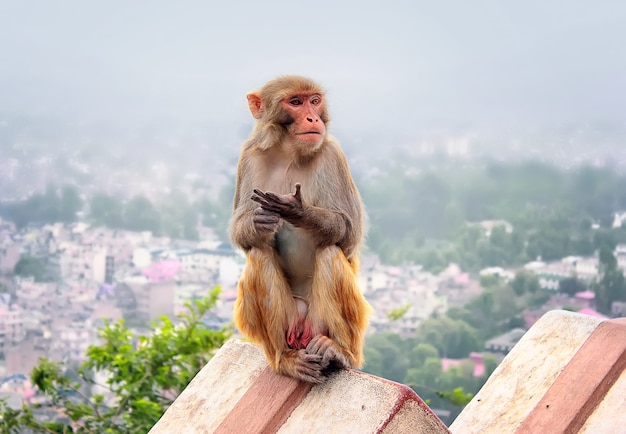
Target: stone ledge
237, 393
566, 375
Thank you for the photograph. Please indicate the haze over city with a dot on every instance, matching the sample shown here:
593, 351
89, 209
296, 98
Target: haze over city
391, 68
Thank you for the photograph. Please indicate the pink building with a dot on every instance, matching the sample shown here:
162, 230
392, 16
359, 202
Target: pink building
162, 271
476, 358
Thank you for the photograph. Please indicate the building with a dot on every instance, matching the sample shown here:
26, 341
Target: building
153, 299
12, 330
9, 256
502, 344
477, 359
74, 339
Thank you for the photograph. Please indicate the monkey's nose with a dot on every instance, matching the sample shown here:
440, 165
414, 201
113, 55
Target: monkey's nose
311, 119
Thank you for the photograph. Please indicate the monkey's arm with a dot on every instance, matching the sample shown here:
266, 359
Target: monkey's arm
250, 226
333, 213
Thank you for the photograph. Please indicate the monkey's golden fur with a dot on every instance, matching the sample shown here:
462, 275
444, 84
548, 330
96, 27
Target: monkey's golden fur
316, 258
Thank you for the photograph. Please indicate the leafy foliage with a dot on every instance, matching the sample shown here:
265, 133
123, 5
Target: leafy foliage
386, 355
30, 266
106, 210
54, 205
571, 286
457, 397
423, 217
144, 374
525, 282
397, 313
612, 285
417, 363
452, 338
172, 216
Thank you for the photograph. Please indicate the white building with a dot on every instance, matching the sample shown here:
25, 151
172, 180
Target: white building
74, 339
12, 330
618, 219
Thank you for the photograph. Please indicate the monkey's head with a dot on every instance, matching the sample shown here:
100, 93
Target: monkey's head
290, 110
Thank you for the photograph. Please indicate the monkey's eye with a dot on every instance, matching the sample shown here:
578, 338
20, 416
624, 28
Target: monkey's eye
295, 101
316, 100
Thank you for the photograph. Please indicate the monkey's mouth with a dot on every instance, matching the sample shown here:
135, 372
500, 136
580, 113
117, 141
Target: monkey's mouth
309, 132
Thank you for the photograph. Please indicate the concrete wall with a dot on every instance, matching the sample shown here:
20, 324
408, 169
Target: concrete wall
237, 393
566, 375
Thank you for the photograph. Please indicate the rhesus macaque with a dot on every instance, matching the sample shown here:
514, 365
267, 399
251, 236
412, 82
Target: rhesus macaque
299, 218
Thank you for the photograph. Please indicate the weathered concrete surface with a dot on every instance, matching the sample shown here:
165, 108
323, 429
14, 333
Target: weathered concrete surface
237, 393
565, 375
583, 383
354, 402
214, 391
266, 405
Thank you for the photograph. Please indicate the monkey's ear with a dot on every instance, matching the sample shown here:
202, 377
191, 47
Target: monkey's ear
254, 102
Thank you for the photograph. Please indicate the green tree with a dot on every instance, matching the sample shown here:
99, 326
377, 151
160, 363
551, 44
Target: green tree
70, 204
178, 217
452, 338
604, 238
144, 375
571, 285
425, 377
141, 215
421, 353
490, 312
489, 280
216, 214
30, 266
106, 210
525, 282
50, 208
386, 356
612, 285
549, 243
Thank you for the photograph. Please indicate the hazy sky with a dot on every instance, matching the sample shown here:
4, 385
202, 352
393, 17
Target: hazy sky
385, 64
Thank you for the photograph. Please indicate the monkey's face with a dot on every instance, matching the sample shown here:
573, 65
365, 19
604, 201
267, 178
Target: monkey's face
304, 118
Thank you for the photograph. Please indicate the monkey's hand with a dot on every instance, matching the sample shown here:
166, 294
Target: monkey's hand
307, 368
329, 351
265, 221
287, 206
327, 227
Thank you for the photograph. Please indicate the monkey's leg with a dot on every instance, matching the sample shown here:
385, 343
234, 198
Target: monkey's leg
337, 302
264, 311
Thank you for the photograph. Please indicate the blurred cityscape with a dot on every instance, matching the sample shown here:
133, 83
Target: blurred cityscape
113, 228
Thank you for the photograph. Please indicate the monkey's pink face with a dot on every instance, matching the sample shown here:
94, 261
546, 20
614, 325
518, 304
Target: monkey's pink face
305, 124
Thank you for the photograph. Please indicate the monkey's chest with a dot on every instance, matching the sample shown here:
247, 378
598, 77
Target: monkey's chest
296, 252
281, 177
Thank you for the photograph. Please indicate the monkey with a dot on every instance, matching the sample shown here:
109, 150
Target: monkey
299, 219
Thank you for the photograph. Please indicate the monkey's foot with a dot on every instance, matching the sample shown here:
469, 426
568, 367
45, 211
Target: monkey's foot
331, 354
305, 367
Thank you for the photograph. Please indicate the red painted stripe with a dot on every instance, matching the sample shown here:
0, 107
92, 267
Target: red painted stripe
583, 384
405, 393
265, 407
